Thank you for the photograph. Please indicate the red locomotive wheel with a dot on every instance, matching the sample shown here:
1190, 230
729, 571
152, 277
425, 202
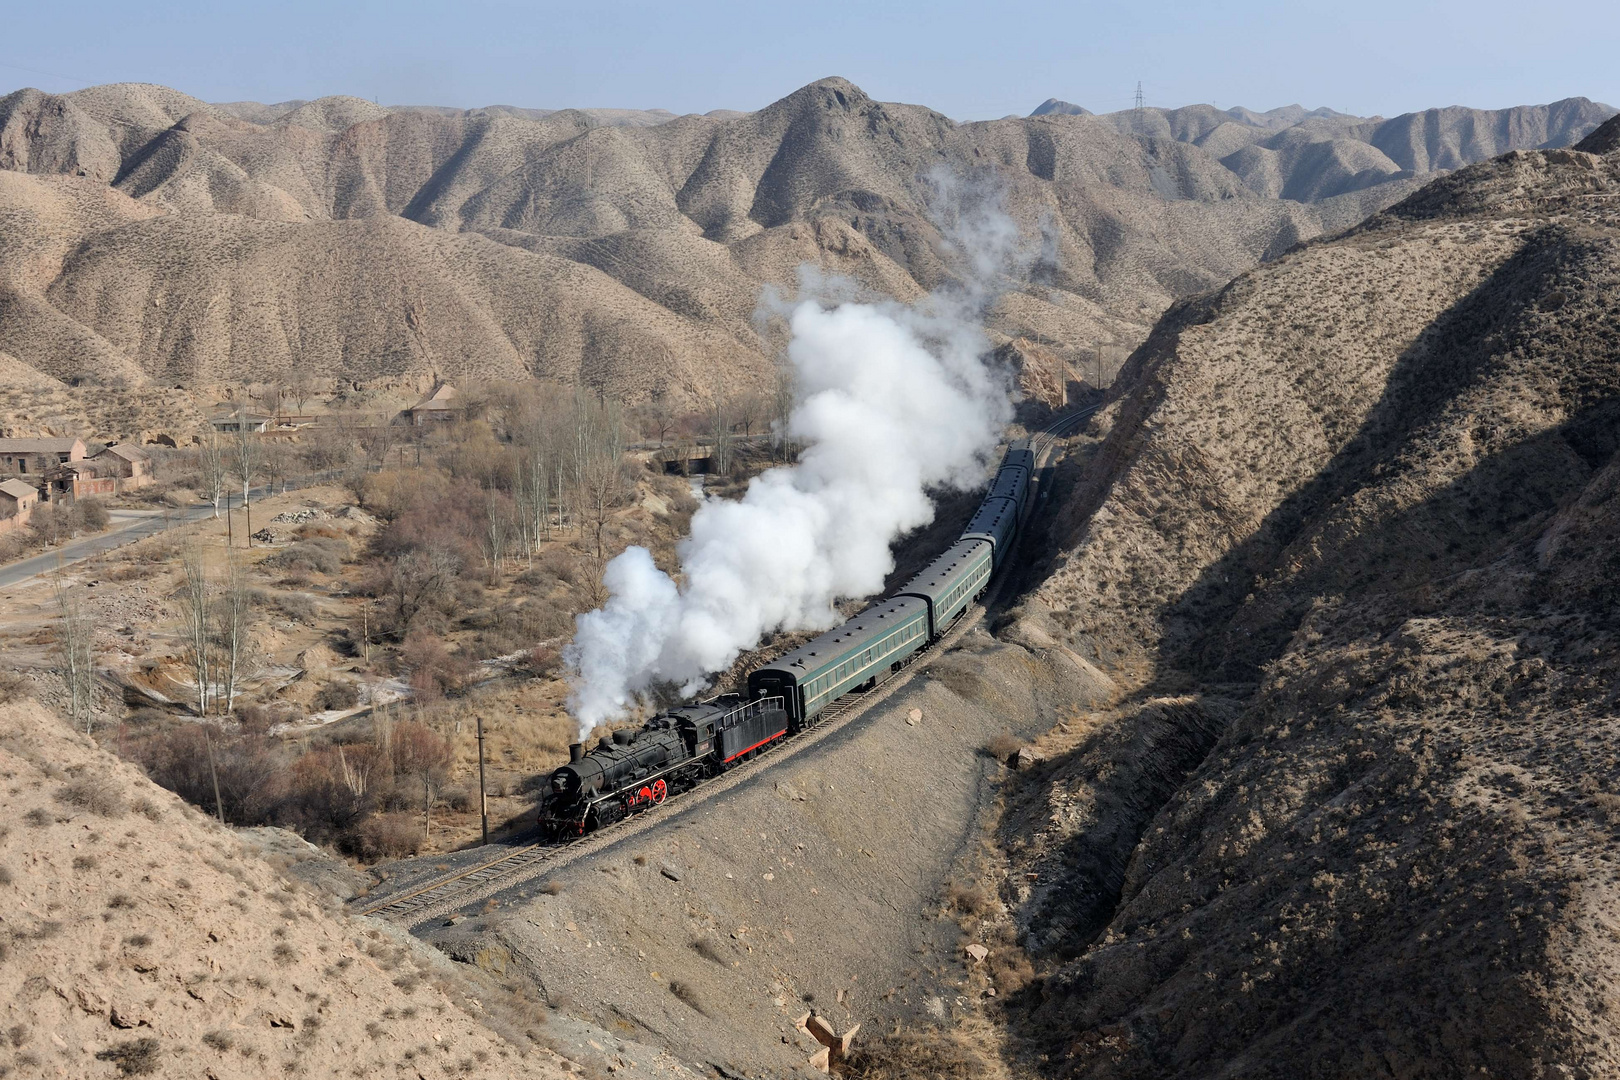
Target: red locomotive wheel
659, 790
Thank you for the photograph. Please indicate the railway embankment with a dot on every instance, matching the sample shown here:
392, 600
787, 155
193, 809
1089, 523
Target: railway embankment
817, 885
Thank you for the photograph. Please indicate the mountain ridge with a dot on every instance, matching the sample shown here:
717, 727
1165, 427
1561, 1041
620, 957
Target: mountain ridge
649, 239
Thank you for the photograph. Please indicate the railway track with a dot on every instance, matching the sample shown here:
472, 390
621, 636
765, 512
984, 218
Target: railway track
456, 891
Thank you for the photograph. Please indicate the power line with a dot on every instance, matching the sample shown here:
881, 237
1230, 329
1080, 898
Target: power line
52, 74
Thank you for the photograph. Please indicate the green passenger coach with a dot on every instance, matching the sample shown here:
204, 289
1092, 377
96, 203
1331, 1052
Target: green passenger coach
858, 654
951, 582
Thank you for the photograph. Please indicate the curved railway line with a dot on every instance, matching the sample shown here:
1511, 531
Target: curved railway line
453, 892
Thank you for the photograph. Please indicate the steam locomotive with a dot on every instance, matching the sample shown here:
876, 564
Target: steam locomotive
635, 770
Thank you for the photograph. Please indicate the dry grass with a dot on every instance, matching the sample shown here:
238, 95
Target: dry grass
95, 794
910, 1053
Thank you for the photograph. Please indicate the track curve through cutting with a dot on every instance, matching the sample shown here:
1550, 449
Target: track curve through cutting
454, 892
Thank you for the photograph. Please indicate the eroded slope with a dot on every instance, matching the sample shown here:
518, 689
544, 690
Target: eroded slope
139, 938
1357, 510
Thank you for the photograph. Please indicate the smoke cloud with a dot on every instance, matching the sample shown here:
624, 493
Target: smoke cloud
891, 400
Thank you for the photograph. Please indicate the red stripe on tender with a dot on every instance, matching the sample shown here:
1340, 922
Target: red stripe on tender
757, 745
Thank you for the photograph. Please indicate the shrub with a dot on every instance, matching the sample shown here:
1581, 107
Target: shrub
1011, 970
136, 1058
298, 606
388, 836
434, 670
13, 687
544, 661
91, 515
940, 1055
95, 794
337, 695
1003, 746
321, 554
439, 518
970, 898
250, 769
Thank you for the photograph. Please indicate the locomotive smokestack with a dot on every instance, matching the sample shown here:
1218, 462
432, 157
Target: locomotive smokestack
576, 753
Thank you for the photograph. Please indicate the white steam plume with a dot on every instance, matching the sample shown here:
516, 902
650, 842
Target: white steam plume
892, 400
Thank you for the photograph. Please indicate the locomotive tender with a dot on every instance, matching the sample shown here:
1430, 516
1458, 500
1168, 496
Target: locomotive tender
634, 770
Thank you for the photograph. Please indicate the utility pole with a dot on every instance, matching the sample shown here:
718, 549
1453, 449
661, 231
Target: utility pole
219, 806
483, 800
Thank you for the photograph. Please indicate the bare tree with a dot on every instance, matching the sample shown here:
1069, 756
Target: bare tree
423, 754
212, 466
377, 436
232, 614
659, 414
532, 497
749, 409
276, 457
599, 461
418, 580
301, 390
271, 395
722, 443
784, 395
193, 603
77, 643
245, 459
497, 532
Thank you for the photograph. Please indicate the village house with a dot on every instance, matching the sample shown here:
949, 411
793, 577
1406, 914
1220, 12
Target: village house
17, 502
438, 407
32, 457
130, 466
240, 420
75, 480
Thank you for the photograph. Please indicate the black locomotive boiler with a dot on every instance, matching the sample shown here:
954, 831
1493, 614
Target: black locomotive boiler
637, 769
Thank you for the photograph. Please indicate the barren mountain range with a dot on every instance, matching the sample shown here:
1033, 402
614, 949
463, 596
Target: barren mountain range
149, 237
1351, 534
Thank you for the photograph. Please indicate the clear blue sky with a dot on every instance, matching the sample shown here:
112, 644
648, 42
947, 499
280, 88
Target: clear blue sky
970, 61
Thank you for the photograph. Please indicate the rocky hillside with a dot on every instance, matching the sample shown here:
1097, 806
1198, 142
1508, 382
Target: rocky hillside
146, 236
138, 938
1352, 536
1290, 153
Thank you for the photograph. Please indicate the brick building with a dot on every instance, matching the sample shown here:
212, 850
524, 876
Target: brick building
17, 502
438, 407
127, 464
32, 457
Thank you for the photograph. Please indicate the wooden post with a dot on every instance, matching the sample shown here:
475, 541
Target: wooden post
219, 806
483, 800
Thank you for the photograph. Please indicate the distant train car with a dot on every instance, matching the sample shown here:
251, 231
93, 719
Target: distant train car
951, 582
1020, 456
861, 652
997, 523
